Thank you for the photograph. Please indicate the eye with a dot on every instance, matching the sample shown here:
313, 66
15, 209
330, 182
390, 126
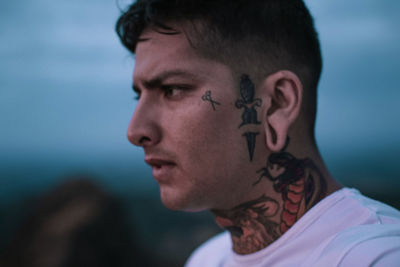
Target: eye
173, 90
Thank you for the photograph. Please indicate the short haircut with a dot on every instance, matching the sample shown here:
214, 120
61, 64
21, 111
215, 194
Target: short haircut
258, 37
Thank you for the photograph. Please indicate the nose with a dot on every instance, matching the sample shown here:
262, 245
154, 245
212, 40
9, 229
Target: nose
144, 128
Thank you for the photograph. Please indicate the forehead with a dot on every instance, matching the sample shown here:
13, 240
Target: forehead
159, 52
155, 40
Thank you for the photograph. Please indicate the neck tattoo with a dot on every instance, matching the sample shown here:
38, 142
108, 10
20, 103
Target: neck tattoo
256, 224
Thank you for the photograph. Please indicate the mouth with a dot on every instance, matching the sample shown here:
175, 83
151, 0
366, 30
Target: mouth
158, 163
161, 168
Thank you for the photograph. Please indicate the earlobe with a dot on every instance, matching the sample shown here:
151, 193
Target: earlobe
275, 136
284, 91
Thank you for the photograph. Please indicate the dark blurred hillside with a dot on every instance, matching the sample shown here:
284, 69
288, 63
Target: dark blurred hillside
163, 237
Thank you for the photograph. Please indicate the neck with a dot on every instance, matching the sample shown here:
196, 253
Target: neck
287, 188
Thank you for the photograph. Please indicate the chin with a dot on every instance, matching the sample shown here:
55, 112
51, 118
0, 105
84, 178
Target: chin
178, 201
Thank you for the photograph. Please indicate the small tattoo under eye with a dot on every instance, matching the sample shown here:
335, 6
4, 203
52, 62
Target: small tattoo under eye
207, 97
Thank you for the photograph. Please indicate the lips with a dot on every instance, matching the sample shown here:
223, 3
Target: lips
162, 169
157, 163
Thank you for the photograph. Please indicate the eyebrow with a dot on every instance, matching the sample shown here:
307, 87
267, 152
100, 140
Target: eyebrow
141, 40
159, 78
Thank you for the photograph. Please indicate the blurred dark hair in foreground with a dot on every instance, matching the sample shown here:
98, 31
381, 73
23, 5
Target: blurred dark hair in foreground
75, 224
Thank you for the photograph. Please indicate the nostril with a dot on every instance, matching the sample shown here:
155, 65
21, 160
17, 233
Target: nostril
142, 137
144, 130
143, 140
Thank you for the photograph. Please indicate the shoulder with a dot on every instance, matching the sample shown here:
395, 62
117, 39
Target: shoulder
361, 232
364, 245
354, 209
211, 253
381, 250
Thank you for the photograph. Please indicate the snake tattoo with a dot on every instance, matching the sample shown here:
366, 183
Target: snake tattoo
298, 180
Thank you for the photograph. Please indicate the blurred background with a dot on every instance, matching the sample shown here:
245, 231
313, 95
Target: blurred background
66, 100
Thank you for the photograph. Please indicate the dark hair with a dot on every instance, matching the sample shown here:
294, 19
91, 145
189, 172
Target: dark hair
258, 37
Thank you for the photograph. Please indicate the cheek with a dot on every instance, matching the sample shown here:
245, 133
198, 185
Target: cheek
212, 154
209, 134
211, 147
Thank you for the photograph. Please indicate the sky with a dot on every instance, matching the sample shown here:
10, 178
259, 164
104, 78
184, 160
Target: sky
66, 98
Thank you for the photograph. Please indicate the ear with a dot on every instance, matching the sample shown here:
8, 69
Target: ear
284, 91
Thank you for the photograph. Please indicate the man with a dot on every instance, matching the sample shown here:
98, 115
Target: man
227, 97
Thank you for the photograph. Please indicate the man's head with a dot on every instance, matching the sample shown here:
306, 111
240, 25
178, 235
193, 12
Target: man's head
220, 83
255, 37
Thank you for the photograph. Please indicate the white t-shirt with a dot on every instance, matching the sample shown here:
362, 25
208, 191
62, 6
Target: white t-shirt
345, 229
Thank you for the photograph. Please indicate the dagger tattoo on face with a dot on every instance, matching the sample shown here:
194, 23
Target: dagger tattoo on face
249, 115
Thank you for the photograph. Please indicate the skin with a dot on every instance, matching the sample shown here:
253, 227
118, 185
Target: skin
199, 152
208, 155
